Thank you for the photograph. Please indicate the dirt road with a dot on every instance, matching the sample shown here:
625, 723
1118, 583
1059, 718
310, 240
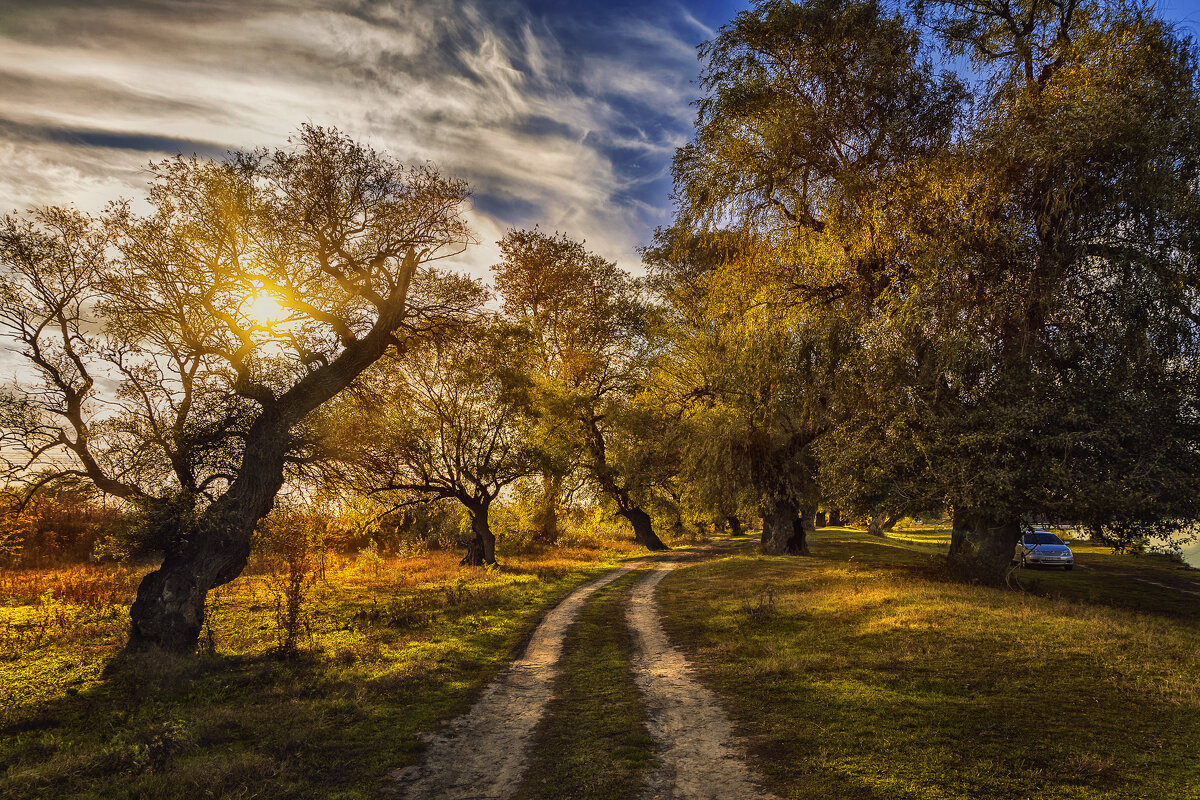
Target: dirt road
482, 755
699, 760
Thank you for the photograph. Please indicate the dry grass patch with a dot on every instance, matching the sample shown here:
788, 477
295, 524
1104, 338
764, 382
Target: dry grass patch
390, 647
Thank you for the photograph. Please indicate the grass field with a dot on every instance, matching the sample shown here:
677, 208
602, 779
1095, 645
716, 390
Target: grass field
391, 648
862, 672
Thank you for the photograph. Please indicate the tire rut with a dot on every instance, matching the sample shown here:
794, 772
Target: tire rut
699, 760
481, 755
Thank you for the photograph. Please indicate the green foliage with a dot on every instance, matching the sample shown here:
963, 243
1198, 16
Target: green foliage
896, 301
593, 349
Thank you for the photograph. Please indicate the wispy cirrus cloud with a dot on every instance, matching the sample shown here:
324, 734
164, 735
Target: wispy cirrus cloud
561, 115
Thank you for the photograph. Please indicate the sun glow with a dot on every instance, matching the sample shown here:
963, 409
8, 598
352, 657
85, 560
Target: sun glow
263, 309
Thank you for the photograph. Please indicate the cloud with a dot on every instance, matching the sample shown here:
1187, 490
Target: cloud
560, 117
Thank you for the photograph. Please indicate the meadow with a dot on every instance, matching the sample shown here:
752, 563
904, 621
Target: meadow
388, 647
862, 671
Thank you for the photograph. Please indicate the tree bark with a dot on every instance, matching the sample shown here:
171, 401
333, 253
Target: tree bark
835, 518
820, 519
786, 526
881, 523
169, 609
545, 512
981, 549
482, 549
643, 530
735, 525
959, 528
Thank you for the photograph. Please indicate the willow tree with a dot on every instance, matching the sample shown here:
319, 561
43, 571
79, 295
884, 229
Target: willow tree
592, 357
815, 121
1054, 339
176, 358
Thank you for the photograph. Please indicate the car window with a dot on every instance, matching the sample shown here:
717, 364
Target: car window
1043, 537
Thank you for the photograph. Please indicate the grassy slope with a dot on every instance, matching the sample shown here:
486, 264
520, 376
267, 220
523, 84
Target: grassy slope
394, 649
861, 673
593, 742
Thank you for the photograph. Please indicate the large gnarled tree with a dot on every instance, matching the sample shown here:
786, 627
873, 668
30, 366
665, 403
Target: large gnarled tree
176, 357
816, 120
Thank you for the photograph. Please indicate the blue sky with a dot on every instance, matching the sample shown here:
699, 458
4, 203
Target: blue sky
563, 114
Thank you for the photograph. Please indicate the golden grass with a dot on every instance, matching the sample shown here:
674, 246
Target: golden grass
390, 647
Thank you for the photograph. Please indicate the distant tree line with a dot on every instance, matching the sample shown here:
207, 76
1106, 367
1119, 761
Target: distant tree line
888, 289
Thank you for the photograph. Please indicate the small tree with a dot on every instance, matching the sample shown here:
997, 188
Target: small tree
592, 355
447, 421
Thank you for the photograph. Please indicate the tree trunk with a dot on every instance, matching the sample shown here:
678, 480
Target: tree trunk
785, 528
881, 523
959, 527
169, 609
735, 525
820, 519
482, 549
981, 550
643, 531
545, 512
835, 518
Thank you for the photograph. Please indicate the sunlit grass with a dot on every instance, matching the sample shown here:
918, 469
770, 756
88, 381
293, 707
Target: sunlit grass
391, 647
874, 677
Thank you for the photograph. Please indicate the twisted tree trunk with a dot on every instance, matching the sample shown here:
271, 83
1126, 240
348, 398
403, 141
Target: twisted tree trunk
169, 609
786, 526
982, 549
882, 523
643, 530
545, 512
482, 549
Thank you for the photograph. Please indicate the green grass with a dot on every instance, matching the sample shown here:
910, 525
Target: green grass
393, 650
872, 676
861, 672
593, 742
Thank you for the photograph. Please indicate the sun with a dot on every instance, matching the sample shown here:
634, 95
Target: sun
263, 309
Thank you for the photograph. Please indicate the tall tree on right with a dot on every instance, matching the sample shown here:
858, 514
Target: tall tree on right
818, 121
1056, 319
1046, 343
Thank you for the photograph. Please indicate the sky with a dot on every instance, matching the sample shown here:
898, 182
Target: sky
558, 114
561, 114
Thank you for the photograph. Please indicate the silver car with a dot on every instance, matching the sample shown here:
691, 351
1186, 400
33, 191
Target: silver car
1043, 548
